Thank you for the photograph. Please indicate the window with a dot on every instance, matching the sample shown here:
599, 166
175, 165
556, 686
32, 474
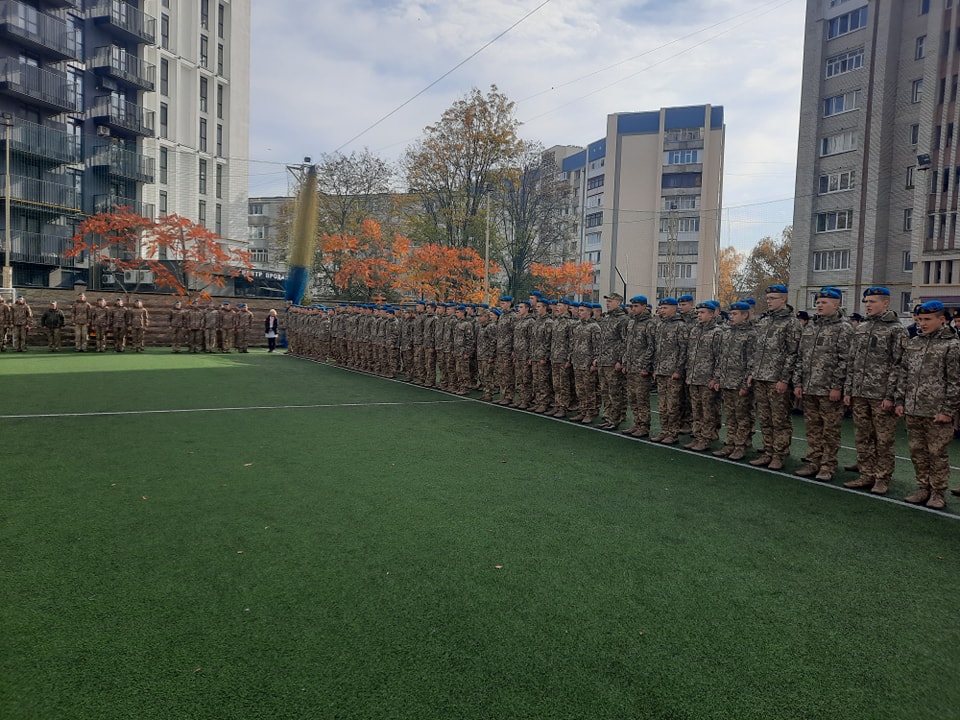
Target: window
220, 59
203, 135
204, 51
202, 212
595, 201
906, 302
943, 91
684, 224
219, 181
834, 220
847, 23
837, 181
916, 90
218, 219
164, 129
219, 140
221, 12
595, 182
204, 91
924, 7
845, 62
949, 139
164, 159
914, 134
682, 157
258, 233
165, 32
256, 208
594, 219
202, 176
953, 89
681, 180
220, 102
910, 175
831, 260
907, 262
593, 239
919, 49
205, 14
907, 220
164, 77
681, 202
163, 202
682, 270
841, 103
835, 144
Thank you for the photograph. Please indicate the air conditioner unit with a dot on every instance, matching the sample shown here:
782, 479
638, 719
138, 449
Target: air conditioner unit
131, 277
103, 131
107, 84
146, 277
108, 279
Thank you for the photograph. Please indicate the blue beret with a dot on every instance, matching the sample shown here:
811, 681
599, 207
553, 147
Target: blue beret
685, 298
524, 302
506, 298
740, 305
778, 288
876, 291
831, 293
931, 306
224, 303
750, 301
638, 300
485, 306
537, 293
709, 305
669, 301
596, 306
496, 312
242, 304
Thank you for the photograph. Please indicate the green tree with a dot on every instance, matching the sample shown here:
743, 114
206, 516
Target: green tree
767, 263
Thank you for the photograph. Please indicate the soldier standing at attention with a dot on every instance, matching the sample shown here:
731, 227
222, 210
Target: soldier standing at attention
178, 321
688, 311
464, 346
818, 379
139, 320
506, 374
521, 356
703, 351
487, 352
211, 323
669, 367
243, 328
195, 318
415, 371
20, 316
778, 342
584, 349
429, 378
871, 385
613, 340
738, 343
81, 322
6, 322
225, 328
928, 396
560, 359
118, 322
52, 321
100, 321
540, 340
637, 365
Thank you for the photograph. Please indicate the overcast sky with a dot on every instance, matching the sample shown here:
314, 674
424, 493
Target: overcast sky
323, 71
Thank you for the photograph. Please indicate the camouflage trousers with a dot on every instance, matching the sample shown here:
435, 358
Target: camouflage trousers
686, 407
613, 394
324, 345
874, 429
561, 385
136, 338
542, 384
53, 338
178, 334
638, 397
464, 374
391, 361
705, 404
739, 417
429, 367
506, 376
406, 360
100, 331
585, 380
20, 333
81, 333
119, 338
524, 375
225, 340
449, 369
487, 376
669, 392
773, 413
823, 416
418, 354
929, 442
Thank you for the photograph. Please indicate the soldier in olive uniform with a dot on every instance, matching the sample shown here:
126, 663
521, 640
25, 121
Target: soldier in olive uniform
487, 352
100, 321
521, 356
430, 346
244, 325
613, 339
637, 365
506, 373
738, 343
20, 317
541, 337
211, 323
177, 317
6, 322
464, 347
119, 324
560, 359
139, 321
669, 367
81, 310
584, 350
52, 321
703, 352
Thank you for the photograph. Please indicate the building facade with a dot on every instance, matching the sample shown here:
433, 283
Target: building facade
109, 103
650, 199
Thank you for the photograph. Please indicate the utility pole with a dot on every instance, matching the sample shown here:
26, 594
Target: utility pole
670, 279
7, 267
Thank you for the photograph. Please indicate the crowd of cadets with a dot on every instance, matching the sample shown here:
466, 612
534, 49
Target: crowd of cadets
709, 367
199, 328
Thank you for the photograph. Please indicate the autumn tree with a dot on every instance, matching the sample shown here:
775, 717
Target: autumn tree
444, 273
569, 278
450, 168
180, 255
730, 263
767, 263
353, 188
365, 264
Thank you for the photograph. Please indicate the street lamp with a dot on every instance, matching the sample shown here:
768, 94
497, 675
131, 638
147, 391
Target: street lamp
7, 269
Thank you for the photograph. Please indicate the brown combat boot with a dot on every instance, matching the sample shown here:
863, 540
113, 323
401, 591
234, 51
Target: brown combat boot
587, 419
761, 461
669, 440
738, 453
776, 463
690, 445
955, 491
860, 482
881, 486
937, 501
825, 475
658, 437
919, 497
630, 430
576, 418
700, 446
808, 470
852, 468
560, 413
724, 451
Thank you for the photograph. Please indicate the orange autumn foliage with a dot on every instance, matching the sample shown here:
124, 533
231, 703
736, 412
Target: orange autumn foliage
569, 278
368, 260
444, 273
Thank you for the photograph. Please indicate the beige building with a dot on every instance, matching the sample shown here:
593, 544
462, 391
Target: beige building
649, 202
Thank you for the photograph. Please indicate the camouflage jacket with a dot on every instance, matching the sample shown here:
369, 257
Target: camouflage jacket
560, 340
613, 337
447, 329
464, 339
244, 319
417, 329
430, 331
390, 332
119, 317
584, 343
738, 344
822, 365
929, 379
778, 343
522, 331
670, 346
641, 338
177, 317
703, 351
505, 333
20, 314
138, 317
873, 362
407, 332
487, 340
81, 312
541, 337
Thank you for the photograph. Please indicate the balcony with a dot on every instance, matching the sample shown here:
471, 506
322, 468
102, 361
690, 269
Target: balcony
109, 203
75, 4
123, 163
41, 248
41, 195
123, 115
117, 63
37, 86
125, 21
44, 143
682, 144
44, 34
682, 168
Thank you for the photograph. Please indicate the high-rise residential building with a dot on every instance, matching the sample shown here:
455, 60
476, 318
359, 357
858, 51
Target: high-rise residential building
649, 199
111, 103
877, 167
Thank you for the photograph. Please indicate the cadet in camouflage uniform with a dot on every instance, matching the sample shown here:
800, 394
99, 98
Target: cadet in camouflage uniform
52, 321
487, 352
6, 322
522, 331
669, 367
177, 318
637, 365
560, 366
778, 342
429, 346
506, 373
584, 350
688, 311
225, 328
416, 370
391, 337
211, 319
703, 353
928, 396
243, 327
738, 344
100, 321
81, 322
20, 317
194, 324
407, 321
873, 368
138, 320
613, 339
818, 380
541, 337
464, 347
119, 322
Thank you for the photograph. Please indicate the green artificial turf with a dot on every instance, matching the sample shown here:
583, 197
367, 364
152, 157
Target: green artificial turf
430, 557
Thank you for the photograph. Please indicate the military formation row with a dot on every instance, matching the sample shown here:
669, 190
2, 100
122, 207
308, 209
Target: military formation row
708, 368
